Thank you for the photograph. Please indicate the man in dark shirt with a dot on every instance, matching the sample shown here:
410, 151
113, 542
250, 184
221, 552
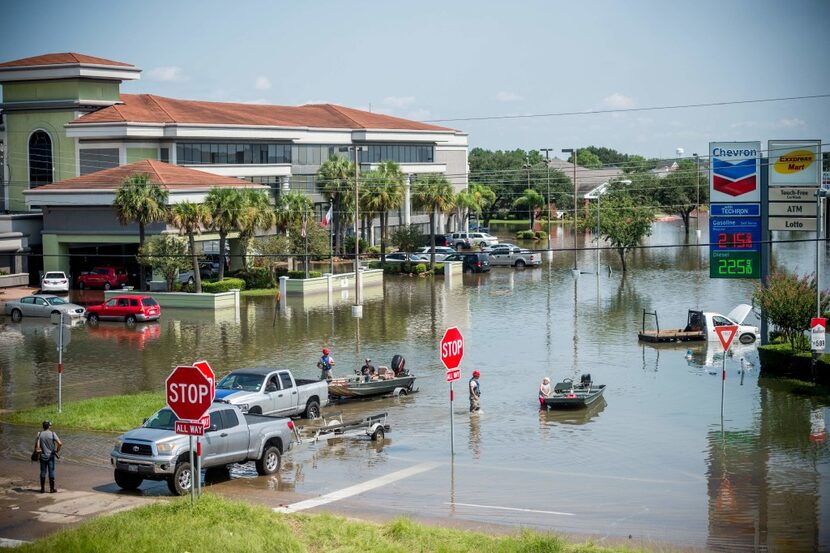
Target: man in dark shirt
367, 370
48, 445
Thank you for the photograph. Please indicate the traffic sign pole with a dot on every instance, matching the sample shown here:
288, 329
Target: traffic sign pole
192, 476
725, 334
452, 429
451, 352
60, 363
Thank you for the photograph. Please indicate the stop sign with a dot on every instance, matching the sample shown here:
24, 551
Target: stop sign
452, 348
188, 393
206, 369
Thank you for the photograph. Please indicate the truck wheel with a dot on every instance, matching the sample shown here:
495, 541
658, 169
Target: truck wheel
255, 410
182, 479
270, 461
107, 286
17, 315
312, 410
130, 320
520, 264
378, 435
747, 338
127, 481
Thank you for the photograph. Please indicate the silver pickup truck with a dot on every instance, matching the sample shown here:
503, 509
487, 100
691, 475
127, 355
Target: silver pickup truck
155, 452
513, 256
273, 392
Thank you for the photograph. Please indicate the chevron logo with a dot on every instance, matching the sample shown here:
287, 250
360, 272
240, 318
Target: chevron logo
734, 178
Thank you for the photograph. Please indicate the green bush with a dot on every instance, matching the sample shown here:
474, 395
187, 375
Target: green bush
439, 269
392, 269
525, 235
540, 234
374, 264
300, 275
420, 268
373, 250
223, 286
348, 245
256, 277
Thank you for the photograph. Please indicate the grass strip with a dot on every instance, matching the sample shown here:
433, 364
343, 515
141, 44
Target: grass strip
106, 414
221, 525
272, 292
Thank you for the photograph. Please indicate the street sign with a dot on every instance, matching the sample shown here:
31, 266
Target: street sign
793, 223
817, 328
453, 375
188, 393
726, 334
204, 366
452, 348
190, 428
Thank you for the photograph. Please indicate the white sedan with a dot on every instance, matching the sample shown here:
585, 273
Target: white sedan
401, 257
54, 281
441, 252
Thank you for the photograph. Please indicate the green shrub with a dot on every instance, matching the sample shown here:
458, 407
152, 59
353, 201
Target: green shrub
439, 269
348, 245
256, 277
420, 268
374, 264
392, 268
540, 234
525, 235
373, 249
300, 275
223, 286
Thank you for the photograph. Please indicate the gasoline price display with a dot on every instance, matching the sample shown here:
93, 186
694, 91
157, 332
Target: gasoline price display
735, 241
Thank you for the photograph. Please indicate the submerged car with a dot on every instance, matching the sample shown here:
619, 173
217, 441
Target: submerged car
42, 305
474, 262
441, 252
129, 308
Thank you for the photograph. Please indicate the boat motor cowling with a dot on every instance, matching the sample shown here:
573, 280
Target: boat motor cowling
398, 364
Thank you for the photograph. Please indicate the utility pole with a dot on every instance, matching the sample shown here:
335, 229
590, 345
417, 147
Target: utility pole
697, 191
549, 253
357, 308
574, 152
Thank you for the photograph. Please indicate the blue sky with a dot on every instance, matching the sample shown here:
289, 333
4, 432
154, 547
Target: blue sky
432, 60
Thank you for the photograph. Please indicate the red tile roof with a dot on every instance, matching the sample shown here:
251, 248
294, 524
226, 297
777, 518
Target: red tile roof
66, 58
149, 108
170, 176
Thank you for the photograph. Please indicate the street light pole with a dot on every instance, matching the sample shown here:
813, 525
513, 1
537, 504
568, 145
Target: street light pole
357, 308
575, 153
549, 253
697, 192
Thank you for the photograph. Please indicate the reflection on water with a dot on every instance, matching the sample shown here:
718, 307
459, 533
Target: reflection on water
572, 416
670, 468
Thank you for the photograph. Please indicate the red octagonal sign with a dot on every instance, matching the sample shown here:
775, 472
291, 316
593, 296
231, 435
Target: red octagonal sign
452, 348
188, 393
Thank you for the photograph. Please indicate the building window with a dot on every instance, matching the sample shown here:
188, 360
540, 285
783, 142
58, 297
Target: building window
164, 155
40, 159
96, 159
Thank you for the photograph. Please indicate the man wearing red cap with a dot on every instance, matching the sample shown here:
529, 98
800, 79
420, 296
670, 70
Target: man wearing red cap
325, 364
475, 392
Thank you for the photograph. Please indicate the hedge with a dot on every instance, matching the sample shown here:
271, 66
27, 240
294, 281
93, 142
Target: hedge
779, 359
300, 275
256, 277
225, 285
525, 235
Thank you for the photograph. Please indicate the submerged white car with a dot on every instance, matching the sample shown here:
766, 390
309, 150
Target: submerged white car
54, 281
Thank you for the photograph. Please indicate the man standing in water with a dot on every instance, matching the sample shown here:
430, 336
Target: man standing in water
475, 392
325, 364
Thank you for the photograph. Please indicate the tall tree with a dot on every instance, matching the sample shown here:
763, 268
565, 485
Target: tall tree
290, 209
678, 191
586, 158
226, 207
433, 193
167, 254
624, 221
531, 201
336, 179
384, 187
137, 200
257, 215
476, 198
190, 219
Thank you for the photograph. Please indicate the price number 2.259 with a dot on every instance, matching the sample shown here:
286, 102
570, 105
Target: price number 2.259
735, 266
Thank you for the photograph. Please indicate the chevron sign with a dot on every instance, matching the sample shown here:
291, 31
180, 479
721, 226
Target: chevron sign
734, 171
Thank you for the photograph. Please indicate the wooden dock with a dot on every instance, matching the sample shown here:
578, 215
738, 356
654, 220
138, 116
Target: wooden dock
665, 336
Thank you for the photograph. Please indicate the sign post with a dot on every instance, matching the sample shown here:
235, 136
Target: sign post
452, 350
189, 393
206, 369
725, 334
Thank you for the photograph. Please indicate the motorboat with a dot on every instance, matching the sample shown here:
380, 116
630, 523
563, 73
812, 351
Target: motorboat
569, 395
396, 380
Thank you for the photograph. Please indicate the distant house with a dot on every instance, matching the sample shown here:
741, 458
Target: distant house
664, 168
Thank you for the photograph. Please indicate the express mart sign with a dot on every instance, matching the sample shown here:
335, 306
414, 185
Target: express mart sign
734, 174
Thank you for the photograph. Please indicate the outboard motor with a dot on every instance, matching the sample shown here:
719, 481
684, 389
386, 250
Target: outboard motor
398, 364
585, 380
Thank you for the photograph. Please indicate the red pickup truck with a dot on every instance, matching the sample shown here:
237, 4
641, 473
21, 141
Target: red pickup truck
103, 277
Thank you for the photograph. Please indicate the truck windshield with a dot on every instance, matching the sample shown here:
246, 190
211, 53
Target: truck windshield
241, 381
164, 420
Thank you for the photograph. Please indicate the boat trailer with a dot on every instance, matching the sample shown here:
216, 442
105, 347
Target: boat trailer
374, 426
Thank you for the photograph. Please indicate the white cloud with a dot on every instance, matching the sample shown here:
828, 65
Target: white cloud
262, 83
419, 114
169, 73
507, 96
618, 101
398, 102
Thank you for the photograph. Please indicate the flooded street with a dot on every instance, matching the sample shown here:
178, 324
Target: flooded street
653, 459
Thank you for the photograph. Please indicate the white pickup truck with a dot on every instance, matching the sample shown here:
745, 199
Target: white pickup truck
510, 255
700, 326
272, 391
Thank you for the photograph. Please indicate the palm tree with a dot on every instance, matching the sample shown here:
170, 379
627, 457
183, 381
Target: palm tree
336, 178
290, 209
257, 215
225, 205
385, 189
530, 200
137, 200
190, 218
433, 193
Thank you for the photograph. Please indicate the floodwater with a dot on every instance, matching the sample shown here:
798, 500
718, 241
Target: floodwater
654, 459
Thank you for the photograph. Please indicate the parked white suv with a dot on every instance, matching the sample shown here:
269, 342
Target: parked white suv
460, 240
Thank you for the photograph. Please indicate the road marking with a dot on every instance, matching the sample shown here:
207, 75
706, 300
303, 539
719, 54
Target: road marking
510, 509
356, 489
6, 542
